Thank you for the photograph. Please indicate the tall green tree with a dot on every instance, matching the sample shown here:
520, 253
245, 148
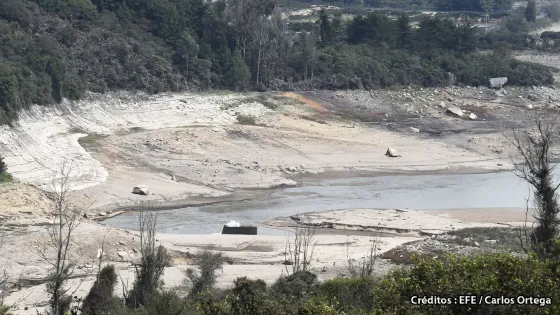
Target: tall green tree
403, 32
531, 11
239, 75
325, 28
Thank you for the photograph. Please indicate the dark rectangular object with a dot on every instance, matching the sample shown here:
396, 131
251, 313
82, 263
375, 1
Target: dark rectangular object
243, 230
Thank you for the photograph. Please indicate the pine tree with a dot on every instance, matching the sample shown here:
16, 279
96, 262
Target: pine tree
531, 11
325, 28
239, 75
404, 33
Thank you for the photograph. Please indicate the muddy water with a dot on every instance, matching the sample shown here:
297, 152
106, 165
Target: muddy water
382, 192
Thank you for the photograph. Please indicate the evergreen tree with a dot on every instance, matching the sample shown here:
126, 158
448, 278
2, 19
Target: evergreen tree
239, 75
531, 11
404, 33
325, 28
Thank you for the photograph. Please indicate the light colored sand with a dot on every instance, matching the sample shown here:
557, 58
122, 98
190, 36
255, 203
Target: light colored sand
397, 220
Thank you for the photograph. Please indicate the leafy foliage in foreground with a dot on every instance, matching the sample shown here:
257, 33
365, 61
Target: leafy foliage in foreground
493, 275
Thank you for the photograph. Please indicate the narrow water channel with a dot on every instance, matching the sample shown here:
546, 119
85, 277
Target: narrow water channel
427, 192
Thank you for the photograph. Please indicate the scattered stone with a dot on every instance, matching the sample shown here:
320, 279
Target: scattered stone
530, 106
122, 254
455, 111
414, 129
498, 83
476, 244
442, 104
473, 116
532, 97
141, 190
102, 214
490, 241
122, 243
85, 215
324, 269
392, 153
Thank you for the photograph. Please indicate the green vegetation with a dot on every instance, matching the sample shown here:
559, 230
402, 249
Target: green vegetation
492, 275
246, 120
531, 11
4, 175
506, 239
91, 139
54, 49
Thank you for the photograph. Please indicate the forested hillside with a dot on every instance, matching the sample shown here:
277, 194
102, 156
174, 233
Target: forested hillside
54, 49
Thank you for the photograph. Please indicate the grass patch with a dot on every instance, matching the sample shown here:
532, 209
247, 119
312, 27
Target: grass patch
493, 237
403, 256
246, 120
137, 129
5, 177
91, 140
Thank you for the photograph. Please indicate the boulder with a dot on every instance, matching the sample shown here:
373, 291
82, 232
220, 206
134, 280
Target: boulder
530, 106
392, 153
141, 190
498, 83
455, 111
416, 130
473, 116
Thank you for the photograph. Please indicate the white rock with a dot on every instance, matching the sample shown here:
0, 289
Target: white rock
414, 129
141, 190
392, 153
455, 111
530, 106
473, 116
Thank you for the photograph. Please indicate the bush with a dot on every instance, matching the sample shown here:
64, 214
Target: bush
484, 275
299, 286
204, 277
100, 297
246, 120
351, 294
4, 175
249, 297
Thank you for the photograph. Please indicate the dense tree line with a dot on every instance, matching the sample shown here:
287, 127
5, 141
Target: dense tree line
55, 49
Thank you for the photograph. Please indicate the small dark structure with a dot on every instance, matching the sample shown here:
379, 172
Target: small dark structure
243, 230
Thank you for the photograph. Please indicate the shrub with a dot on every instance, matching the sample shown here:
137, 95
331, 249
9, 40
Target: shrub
248, 297
299, 286
351, 294
204, 277
484, 275
246, 120
4, 175
100, 297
